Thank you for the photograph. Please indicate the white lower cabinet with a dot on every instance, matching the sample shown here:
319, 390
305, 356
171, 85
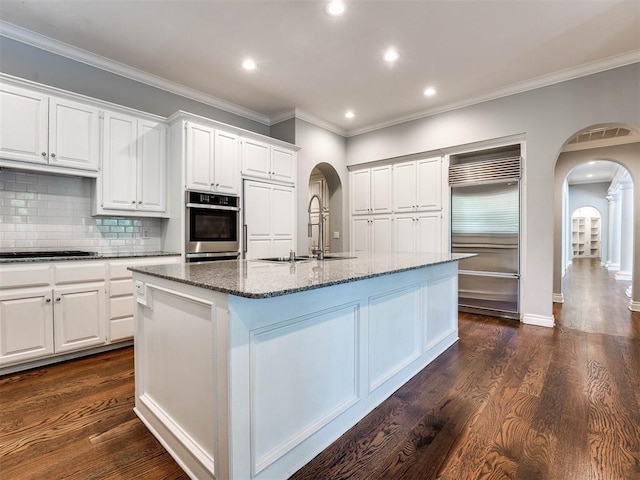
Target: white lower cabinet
26, 325
120, 305
61, 309
418, 232
53, 308
371, 233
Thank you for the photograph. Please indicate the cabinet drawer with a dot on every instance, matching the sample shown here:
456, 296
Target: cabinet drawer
121, 329
74, 273
32, 276
121, 307
118, 269
117, 288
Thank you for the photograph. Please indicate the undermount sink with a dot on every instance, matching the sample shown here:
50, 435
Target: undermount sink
302, 258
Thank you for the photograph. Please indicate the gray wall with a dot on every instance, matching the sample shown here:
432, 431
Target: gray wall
31, 63
547, 117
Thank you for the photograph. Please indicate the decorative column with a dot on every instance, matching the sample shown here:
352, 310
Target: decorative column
614, 233
609, 252
626, 231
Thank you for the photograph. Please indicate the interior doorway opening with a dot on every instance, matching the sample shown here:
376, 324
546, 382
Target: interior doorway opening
325, 182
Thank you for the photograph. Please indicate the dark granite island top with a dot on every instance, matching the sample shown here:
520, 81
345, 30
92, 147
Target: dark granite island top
264, 279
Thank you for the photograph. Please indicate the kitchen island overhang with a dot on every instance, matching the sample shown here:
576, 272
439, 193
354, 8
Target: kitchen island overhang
248, 369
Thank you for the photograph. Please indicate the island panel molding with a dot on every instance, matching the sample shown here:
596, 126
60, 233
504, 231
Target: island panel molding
277, 371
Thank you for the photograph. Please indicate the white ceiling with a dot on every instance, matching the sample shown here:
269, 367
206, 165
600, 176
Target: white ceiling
468, 50
597, 171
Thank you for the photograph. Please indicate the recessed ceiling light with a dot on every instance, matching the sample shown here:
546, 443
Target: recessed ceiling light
429, 92
335, 7
349, 114
390, 55
592, 162
590, 175
249, 64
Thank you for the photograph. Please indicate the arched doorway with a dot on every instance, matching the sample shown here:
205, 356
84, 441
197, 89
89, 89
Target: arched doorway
595, 168
325, 182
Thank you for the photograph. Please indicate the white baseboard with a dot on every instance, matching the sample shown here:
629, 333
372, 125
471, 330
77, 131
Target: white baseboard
613, 267
624, 276
634, 306
538, 320
558, 298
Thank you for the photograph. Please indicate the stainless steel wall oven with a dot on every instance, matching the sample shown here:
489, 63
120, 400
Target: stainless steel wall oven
212, 227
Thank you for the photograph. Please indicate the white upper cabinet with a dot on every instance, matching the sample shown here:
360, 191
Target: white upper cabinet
417, 185
212, 160
272, 162
372, 233
371, 190
419, 232
46, 130
134, 169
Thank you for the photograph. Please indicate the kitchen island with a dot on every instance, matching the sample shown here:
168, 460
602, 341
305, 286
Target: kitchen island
248, 369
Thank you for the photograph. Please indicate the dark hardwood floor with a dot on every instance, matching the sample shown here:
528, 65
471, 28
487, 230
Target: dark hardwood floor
506, 401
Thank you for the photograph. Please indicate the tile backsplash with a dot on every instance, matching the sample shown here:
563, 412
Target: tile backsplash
53, 212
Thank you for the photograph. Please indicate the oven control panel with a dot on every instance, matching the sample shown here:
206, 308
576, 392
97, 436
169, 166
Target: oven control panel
211, 199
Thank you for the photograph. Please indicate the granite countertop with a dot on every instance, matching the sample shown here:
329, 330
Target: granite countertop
263, 279
96, 256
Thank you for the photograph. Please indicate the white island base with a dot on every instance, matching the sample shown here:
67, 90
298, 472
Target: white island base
246, 388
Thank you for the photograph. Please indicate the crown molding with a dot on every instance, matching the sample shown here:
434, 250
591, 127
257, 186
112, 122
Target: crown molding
43, 42
539, 82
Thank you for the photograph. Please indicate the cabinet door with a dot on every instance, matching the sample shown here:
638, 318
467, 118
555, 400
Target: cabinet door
404, 187
429, 232
429, 191
79, 314
282, 220
360, 191
151, 167
404, 233
74, 134
283, 164
200, 156
226, 174
381, 234
23, 125
257, 219
381, 188
360, 234
256, 159
119, 171
26, 325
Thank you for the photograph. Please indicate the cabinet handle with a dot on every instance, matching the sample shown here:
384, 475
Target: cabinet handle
133, 201
139, 201
53, 155
57, 299
48, 300
44, 154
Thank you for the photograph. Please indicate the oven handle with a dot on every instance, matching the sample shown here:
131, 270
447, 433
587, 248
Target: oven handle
244, 238
212, 254
213, 207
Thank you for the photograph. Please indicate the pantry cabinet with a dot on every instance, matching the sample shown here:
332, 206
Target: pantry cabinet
371, 190
212, 160
418, 233
36, 128
269, 219
133, 180
417, 185
372, 233
271, 162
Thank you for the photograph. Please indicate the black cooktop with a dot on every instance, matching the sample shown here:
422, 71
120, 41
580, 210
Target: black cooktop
47, 254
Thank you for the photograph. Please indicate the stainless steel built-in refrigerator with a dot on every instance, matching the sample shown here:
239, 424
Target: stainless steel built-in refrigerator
485, 220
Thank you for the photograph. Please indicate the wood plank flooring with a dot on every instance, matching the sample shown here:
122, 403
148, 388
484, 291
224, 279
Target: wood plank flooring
506, 401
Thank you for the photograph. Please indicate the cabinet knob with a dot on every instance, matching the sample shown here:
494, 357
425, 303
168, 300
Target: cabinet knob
57, 299
44, 154
48, 300
133, 201
139, 201
53, 155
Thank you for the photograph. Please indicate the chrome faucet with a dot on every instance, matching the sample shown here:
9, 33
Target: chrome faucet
320, 250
